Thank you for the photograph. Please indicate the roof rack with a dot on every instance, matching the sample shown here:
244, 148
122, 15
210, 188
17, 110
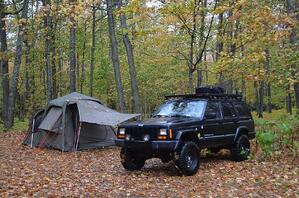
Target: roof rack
205, 96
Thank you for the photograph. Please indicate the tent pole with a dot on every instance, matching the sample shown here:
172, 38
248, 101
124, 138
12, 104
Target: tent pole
32, 130
78, 136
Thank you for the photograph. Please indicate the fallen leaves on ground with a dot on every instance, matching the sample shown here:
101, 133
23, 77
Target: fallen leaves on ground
99, 173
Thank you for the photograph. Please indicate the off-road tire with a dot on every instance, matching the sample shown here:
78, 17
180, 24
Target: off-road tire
129, 161
240, 150
189, 159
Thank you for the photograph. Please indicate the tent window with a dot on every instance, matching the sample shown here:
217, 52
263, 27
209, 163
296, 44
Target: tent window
52, 120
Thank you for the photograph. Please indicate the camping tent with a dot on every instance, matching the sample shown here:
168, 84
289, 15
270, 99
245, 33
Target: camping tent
74, 122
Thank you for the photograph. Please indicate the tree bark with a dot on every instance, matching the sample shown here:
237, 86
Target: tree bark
289, 100
219, 47
54, 78
72, 51
256, 95
4, 61
114, 55
269, 106
83, 60
60, 64
47, 26
16, 69
92, 50
261, 99
137, 108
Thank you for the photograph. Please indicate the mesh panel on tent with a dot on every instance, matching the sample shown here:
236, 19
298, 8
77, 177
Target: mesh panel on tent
52, 120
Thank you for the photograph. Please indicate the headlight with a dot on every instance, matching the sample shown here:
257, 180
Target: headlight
163, 132
122, 131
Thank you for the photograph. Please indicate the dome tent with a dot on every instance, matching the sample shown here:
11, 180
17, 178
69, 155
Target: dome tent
74, 122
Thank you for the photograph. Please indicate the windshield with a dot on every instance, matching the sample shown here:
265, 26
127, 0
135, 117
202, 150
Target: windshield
179, 108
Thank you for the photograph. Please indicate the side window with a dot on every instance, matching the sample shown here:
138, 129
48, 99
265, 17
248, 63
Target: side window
242, 109
212, 111
228, 110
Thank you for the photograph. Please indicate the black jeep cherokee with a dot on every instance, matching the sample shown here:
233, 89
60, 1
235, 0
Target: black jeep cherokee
184, 125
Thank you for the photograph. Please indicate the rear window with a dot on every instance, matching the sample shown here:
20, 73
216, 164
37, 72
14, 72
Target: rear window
228, 110
242, 109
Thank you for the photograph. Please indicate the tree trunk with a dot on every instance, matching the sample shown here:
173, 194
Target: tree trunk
289, 100
4, 61
206, 68
137, 108
269, 106
60, 64
16, 69
92, 50
243, 88
219, 47
78, 69
27, 76
72, 51
230, 86
256, 95
114, 55
47, 26
83, 60
199, 77
54, 78
261, 99
191, 50
268, 86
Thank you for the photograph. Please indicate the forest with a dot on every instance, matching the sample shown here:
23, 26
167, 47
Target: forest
129, 54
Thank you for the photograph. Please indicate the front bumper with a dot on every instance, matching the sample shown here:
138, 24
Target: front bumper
150, 146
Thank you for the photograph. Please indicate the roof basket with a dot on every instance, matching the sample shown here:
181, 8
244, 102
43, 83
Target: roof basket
209, 90
208, 93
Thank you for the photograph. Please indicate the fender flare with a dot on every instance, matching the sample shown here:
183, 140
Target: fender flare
239, 131
179, 138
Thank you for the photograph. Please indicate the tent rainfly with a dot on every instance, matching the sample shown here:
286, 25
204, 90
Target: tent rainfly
74, 122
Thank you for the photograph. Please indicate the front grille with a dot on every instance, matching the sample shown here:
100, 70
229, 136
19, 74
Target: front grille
137, 132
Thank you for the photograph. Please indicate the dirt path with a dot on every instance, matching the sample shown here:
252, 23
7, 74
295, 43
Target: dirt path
98, 173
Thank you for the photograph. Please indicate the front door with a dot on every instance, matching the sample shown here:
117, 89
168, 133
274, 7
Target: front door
212, 124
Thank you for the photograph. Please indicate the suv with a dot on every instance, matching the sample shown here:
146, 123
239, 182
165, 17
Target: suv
184, 125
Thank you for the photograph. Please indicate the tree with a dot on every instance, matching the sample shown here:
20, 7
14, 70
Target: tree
130, 57
93, 38
115, 55
48, 27
72, 48
17, 63
4, 60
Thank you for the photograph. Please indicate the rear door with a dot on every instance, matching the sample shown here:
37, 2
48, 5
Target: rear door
230, 123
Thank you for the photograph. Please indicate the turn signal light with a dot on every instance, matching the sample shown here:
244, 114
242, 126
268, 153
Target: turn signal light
162, 137
120, 136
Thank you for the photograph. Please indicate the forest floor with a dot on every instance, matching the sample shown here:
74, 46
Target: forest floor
98, 173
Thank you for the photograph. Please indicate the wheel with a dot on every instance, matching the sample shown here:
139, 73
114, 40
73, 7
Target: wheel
240, 150
188, 160
129, 161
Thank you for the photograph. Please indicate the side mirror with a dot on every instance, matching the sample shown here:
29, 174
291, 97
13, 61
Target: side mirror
211, 115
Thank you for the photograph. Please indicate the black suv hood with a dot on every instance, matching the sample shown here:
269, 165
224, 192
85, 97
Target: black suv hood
165, 121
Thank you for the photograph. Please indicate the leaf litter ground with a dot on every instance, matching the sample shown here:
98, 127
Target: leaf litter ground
98, 173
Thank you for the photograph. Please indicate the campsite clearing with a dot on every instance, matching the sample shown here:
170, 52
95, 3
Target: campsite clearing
98, 173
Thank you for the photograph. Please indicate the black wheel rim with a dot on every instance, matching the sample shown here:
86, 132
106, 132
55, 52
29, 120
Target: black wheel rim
245, 148
191, 160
